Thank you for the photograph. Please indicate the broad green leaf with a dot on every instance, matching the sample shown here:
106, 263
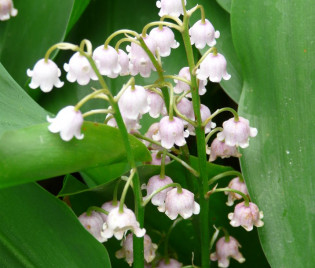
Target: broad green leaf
26, 37
276, 46
225, 4
39, 154
38, 230
221, 22
17, 109
78, 8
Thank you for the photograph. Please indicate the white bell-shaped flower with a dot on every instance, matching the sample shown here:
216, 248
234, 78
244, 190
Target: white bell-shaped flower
7, 10
79, 69
171, 132
246, 217
108, 61
45, 75
118, 223
238, 185
127, 249
154, 184
221, 149
214, 68
204, 113
139, 59
123, 61
170, 7
181, 86
109, 206
225, 250
164, 40
153, 131
134, 102
237, 133
202, 34
131, 124
156, 103
182, 204
94, 224
68, 122
185, 107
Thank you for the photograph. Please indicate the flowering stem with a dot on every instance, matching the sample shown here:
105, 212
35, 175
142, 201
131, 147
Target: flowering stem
89, 97
177, 20
245, 197
225, 174
97, 209
183, 116
62, 46
131, 82
86, 43
214, 236
160, 23
123, 31
124, 193
97, 111
213, 131
212, 49
201, 148
184, 164
202, 11
176, 77
174, 184
115, 194
162, 173
236, 118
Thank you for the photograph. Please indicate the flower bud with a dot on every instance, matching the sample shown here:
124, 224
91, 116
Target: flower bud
225, 250
68, 122
246, 216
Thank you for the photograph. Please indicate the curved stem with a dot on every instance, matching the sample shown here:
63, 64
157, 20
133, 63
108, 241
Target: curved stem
162, 173
202, 11
245, 197
225, 174
179, 114
127, 39
88, 97
177, 20
176, 77
212, 49
131, 82
124, 193
160, 23
62, 46
97, 111
236, 118
123, 31
97, 209
213, 131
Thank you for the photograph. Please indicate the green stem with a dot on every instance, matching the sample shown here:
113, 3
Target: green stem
97, 209
225, 109
212, 49
179, 114
124, 31
225, 174
62, 46
245, 197
124, 193
162, 173
89, 97
202, 11
213, 131
115, 194
201, 149
97, 111
160, 23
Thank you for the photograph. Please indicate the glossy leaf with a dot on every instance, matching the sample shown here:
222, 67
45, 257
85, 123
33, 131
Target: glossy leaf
225, 4
277, 57
40, 154
17, 109
26, 37
38, 230
221, 22
78, 8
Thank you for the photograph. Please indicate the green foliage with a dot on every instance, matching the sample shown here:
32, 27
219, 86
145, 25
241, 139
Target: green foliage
274, 42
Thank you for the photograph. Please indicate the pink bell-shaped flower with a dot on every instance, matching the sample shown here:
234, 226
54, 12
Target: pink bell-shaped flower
79, 69
185, 107
7, 10
170, 7
237, 133
157, 160
153, 132
169, 263
108, 61
118, 223
45, 75
246, 216
139, 59
164, 40
220, 149
131, 124
182, 86
127, 249
204, 113
123, 61
154, 184
94, 224
214, 68
202, 34
134, 102
68, 122
238, 185
156, 103
225, 250
171, 132
182, 204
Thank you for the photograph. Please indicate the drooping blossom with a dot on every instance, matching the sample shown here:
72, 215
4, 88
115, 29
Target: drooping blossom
238, 185
156, 104
7, 10
94, 224
170, 7
221, 149
169, 263
45, 75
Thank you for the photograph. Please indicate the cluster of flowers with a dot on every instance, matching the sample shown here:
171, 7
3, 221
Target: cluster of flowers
136, 100
7, 10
